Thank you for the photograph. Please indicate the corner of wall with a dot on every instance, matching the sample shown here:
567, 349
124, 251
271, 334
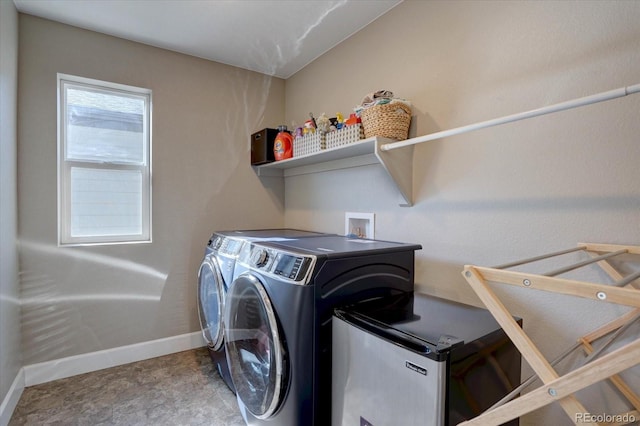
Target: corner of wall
11, 399
10, 349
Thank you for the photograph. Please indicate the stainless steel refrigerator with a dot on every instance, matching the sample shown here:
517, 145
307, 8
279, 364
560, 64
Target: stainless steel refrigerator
418, 360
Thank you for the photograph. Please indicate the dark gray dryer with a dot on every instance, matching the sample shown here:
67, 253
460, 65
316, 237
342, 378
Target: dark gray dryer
278, 319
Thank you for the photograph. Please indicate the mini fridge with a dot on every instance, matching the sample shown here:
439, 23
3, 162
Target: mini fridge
418, 360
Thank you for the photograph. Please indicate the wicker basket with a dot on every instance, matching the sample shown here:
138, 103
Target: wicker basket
308, 144
387, 120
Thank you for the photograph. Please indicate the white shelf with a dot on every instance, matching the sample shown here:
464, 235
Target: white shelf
397, 160
398, 163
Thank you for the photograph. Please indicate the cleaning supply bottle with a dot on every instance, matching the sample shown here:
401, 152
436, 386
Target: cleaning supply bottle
283, 144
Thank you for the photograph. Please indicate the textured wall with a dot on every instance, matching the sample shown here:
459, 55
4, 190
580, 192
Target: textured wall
497, 194
84, 299
10, 354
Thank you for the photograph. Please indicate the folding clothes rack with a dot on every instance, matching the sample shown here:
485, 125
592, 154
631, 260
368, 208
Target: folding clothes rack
624, 291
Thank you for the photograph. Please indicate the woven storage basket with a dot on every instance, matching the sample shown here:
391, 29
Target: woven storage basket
308, 144
345, 136
387, 120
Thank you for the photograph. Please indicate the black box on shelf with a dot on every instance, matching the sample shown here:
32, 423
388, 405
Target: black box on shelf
262, 146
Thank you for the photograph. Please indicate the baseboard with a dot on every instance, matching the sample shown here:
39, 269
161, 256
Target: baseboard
11, 398
43, 372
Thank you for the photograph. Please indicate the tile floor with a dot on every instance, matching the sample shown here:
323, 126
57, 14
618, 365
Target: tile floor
176, 389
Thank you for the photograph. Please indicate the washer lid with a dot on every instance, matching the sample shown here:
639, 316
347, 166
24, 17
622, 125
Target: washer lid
211, 295
266, 234
339, 246
254, 347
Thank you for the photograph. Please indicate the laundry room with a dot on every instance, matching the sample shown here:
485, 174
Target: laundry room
561, 179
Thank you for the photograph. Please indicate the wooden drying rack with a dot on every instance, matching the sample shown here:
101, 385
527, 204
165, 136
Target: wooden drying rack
556, 388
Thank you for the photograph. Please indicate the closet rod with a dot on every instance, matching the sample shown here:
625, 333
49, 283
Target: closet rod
587, 100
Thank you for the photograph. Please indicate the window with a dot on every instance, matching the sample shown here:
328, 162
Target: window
104, 162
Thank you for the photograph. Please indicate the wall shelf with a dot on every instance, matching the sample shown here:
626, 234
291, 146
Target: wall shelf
397, 156
398, 163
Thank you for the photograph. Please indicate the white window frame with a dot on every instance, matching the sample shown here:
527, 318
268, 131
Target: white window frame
64, 164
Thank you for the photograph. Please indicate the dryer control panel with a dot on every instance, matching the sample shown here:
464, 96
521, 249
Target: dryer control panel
229, 247
291, 267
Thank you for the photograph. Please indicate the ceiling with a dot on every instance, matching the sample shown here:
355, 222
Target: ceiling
273, 37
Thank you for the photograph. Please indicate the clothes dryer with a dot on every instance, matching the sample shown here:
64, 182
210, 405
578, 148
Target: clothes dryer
216, 274
278, 319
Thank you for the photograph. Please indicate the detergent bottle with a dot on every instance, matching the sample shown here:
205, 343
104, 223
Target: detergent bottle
283, 144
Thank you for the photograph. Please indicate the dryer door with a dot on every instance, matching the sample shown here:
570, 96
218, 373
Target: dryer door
211, 295
255, 351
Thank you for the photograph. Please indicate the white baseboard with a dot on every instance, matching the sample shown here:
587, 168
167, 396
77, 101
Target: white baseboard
11, 399
43, 372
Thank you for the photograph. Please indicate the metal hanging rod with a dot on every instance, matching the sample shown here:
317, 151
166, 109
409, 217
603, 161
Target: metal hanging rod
583, 263
541, 257
587, 100
629, 279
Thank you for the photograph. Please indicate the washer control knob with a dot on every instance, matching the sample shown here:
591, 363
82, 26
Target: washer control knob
215, 243
260, 257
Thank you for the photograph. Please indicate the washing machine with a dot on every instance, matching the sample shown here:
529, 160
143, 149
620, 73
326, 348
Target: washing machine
216, 274
278, 318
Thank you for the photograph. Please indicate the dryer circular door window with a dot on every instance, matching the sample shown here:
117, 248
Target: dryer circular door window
255, 351
211, 302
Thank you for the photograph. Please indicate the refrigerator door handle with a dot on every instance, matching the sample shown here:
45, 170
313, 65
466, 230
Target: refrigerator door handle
394, 336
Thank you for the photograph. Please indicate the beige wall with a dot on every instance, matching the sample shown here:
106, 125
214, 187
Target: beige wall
498, 194
485, 197
10, 353
84, 299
